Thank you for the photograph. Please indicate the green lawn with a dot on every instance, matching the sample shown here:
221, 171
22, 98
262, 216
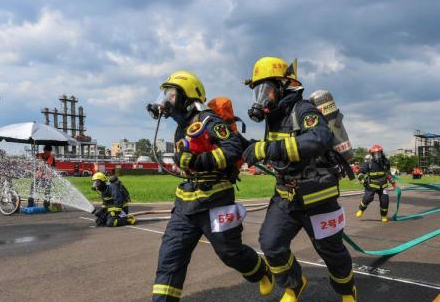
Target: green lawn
149, 188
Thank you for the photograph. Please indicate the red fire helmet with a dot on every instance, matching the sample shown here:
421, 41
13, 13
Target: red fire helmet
376, 148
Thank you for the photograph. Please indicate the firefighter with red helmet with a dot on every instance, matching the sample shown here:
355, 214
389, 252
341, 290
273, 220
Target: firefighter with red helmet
374, 174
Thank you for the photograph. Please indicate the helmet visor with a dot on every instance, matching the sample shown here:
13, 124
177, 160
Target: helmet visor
98, 185
265, 94
167, 97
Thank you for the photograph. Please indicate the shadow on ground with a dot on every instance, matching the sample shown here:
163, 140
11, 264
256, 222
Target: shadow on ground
319, 290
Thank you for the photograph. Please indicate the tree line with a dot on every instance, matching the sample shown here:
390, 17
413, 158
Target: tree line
404, 163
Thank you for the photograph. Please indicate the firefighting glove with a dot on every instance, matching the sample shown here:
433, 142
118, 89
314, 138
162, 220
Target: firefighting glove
362, 179
204, 162
255, 152
184, 159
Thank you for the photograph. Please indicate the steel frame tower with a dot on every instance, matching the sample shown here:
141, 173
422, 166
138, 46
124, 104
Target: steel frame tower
71, 121
426, 146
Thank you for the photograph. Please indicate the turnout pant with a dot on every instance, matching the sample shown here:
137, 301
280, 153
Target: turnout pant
110, 218
181, 236
369, 196
281, 226
46, 185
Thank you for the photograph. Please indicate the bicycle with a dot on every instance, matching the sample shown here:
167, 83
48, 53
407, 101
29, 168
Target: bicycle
9, 199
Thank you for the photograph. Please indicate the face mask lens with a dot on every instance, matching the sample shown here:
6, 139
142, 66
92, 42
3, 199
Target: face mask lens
265, 95
377, 156
167, 101
98, 185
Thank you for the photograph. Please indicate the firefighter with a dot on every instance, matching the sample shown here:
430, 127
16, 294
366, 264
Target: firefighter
205, 200
43, 176
374, 174
114, 211
298, 145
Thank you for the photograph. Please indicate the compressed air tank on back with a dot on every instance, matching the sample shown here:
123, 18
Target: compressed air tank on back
324, 101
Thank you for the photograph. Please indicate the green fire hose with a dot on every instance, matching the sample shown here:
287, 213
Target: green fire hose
404, 246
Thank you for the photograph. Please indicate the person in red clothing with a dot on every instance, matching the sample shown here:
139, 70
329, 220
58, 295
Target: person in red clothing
42, 177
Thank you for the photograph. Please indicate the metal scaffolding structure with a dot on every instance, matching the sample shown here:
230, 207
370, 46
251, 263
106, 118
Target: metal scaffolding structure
72, 121
427, 147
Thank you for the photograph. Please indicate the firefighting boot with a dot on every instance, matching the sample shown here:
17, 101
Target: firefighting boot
46, 204
131, 220
292, 294
350, 298
383, 214
267, 283
359, 213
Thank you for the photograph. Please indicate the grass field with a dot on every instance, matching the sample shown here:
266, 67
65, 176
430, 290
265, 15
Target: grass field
154, 188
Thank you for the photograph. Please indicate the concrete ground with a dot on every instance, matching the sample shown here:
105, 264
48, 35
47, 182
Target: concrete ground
63, 257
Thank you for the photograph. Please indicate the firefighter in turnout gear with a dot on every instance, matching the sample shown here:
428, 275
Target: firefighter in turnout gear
374, 174
298, 145
114, 211
205, 200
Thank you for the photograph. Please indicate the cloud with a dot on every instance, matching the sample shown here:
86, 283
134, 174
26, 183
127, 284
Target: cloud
380, 59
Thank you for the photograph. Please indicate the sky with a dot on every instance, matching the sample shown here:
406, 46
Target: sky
379, 59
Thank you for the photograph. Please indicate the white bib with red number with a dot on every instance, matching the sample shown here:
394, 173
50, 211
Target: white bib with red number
226, 217
328, 224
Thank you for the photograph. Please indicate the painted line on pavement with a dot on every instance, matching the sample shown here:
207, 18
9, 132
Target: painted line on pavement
406, 281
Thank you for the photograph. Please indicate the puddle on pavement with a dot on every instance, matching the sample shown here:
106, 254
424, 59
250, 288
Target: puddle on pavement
25, 239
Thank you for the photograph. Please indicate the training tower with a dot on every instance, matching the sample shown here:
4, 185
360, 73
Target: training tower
427, 147
71, 121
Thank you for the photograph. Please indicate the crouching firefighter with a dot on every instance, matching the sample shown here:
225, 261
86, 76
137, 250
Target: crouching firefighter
374, 174
299, 146
114, 210
206, 152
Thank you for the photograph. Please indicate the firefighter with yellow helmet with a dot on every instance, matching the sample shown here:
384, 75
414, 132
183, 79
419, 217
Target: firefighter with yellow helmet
114, 210
205, 200
298, 145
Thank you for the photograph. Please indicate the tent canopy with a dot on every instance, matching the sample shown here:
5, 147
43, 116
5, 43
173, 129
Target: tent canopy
36, 134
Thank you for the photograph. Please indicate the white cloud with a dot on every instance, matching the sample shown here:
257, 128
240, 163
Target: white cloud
383, 71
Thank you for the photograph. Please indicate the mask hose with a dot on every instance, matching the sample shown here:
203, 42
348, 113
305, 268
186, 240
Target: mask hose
155, 154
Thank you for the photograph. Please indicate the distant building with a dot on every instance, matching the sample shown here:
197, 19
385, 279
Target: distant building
164, 147
406, 152
169, 147
115, 149
124, 148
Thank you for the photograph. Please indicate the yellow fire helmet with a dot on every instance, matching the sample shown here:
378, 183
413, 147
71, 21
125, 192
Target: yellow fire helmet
272, 68
99, 176
188, 82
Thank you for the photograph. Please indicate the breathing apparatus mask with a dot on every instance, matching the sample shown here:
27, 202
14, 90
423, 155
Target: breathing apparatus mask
265, 99
377, 156
270, 98
171, 102
168, 103
99, 185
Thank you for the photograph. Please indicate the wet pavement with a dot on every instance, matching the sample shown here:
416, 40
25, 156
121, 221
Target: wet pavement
63, 257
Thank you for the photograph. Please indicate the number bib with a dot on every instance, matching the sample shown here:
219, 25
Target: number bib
227, 217
328, 224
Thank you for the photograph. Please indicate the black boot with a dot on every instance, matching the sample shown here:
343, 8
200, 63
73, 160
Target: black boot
46, 205
31, 202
